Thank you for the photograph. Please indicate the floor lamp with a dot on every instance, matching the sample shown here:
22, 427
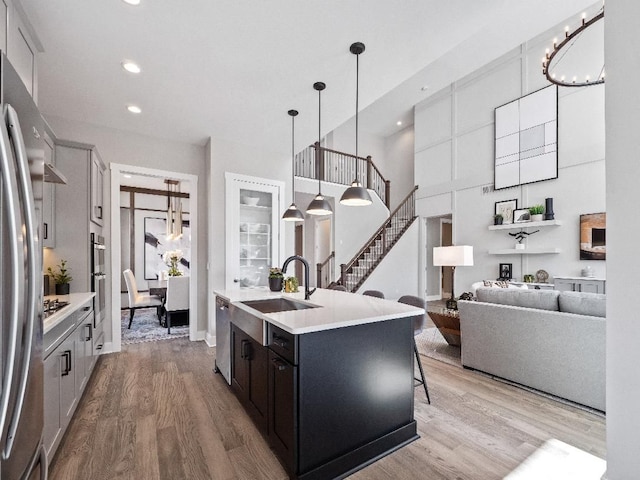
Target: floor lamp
453, 256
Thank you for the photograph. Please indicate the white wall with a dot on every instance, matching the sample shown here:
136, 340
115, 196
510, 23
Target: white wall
397, 164
116, 146
454, 165
399, 272
623, 231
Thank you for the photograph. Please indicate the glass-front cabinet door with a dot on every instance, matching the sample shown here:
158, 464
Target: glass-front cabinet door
254, 241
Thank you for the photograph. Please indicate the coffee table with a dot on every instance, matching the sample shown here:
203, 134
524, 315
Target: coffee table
448, 323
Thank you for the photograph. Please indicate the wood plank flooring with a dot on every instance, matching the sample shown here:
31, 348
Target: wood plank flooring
157, 411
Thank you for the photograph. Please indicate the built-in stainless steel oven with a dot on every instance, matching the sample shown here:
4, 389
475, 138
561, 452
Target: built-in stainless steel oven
98, 277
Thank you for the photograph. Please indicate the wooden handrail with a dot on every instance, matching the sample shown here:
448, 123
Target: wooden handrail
320, 268
334, 166
381, 232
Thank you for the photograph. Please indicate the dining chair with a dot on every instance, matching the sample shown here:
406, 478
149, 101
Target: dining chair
373, 293
177, 300
418, 326
138, 300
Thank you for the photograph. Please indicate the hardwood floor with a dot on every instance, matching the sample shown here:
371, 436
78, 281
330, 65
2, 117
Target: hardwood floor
157, 411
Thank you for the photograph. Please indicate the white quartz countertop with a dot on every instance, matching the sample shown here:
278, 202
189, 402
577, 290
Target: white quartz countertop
581, 278
335, 309
76, 300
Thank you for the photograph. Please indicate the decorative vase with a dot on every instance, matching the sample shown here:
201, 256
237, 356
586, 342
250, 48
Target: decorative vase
62, 289
275, 284
497, 221
548, 209
537, 217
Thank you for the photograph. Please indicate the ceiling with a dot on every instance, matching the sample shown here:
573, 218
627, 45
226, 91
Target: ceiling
231, 69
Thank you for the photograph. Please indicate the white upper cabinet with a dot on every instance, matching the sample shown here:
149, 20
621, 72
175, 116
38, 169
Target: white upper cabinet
19, 41
254, 238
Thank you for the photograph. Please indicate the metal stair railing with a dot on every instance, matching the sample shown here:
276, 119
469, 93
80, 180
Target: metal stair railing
339, 167
355, 272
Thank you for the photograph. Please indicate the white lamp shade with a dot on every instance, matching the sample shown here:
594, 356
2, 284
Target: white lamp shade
454, 256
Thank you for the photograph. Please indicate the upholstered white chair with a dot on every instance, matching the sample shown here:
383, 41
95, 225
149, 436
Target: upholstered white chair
138, 300
177, 300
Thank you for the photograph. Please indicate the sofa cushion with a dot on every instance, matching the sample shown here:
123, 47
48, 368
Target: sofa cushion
520, 297
583, 303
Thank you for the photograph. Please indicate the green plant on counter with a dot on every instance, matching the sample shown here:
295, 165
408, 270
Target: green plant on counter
291, 285
275, 272
61, 276
536, 210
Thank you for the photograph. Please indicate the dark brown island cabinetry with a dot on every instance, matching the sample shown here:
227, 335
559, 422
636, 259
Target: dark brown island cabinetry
249, 375
330, 402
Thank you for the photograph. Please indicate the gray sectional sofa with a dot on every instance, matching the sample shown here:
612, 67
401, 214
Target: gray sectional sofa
544, 339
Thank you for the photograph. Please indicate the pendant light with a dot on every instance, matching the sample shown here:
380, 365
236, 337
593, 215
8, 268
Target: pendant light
319, 205
169, 229
356, 195
292, 214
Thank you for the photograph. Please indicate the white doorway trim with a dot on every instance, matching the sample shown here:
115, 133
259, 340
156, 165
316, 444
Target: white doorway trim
116, 171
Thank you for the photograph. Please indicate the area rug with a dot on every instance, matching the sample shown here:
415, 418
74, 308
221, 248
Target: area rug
146, 328
432, 344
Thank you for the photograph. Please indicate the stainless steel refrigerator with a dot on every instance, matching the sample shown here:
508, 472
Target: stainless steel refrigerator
21, 364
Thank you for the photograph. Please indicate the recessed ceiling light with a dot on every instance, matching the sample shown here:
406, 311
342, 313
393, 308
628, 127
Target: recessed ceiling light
134, 109
132, 2
126, 175
131, 67
398, 123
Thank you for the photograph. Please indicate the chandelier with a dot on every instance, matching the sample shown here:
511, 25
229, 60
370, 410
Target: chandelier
562, 63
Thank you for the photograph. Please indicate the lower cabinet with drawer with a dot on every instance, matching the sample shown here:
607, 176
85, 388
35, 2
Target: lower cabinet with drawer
69, 361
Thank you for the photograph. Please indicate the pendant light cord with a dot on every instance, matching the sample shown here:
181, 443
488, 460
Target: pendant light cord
319, 137
357, 95
293, 161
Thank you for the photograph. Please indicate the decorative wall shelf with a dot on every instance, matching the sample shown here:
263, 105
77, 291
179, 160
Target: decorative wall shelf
520, 226
526, 251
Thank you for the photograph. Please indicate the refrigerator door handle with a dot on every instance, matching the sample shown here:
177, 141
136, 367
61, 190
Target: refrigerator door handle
10, 189
15, 136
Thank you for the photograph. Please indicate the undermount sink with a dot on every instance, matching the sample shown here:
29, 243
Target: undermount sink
272, 305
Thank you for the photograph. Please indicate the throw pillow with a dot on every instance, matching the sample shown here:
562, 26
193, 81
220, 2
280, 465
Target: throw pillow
502, 284
488, 283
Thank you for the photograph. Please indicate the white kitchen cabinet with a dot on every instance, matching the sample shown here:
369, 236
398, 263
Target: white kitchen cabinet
97, 188
49, 198
74, 207
579, 284
67, 370
254, 235
21, 46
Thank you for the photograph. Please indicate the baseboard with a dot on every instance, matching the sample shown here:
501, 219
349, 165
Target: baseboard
210, 340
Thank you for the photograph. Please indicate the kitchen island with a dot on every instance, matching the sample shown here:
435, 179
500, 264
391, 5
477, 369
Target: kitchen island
328, 382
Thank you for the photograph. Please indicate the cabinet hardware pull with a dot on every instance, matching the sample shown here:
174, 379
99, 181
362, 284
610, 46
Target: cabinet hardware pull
280, 365
67, 362
46, 231
245, 350
88, 325
280, 342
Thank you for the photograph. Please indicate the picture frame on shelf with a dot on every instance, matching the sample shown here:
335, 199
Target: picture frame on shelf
521, 215
505, 270
506, 209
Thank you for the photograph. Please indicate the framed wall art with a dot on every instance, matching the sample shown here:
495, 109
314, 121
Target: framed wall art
156, 244
505, 271
526, 139
506, 209
521, 215
593, 236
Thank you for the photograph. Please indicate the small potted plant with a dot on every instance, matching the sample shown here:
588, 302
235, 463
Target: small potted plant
276, 278
498, 219
291, 285
61, 277
536, 213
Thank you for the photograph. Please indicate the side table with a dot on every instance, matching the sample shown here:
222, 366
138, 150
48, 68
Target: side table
448, 323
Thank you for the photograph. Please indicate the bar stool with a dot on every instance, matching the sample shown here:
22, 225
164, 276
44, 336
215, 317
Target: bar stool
373, 293
418, 326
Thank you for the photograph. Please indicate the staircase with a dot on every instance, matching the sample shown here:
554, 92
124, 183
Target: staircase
357, 270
